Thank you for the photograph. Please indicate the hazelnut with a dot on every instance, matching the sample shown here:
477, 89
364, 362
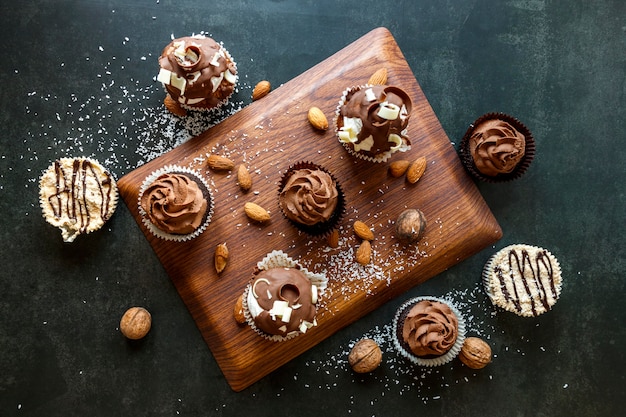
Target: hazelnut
365, 356
135, 323
475, 353
410, 225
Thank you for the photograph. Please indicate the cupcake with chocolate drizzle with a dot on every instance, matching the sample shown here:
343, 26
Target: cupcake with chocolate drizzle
311, 198
77, 195
282, 298
197, 72
175, 203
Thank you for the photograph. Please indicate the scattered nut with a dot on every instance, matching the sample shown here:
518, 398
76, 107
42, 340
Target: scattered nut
398, 168
416, 170
256, 212
317, 118
364, 252
221, 257
244, 178
261, 90
410, 225
362, 230
220, 163
333, 239
135, 323
173, 107
365, 356
475, 353
238, 310
379, 77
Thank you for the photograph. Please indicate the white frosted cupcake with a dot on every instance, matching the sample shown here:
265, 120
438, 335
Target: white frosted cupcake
77, 195
175, 203
428, 331
523, 279
281, 301
371, 121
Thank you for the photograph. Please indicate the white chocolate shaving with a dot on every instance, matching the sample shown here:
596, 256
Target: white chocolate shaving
314, 294
351, 128
194, 100
278, 309
215, 81
215, 61
389, 111
286, 314
296, 306
230, 77
395, 139
370, 95
194, 77
365, 145
178, 82
256, 283
283, 329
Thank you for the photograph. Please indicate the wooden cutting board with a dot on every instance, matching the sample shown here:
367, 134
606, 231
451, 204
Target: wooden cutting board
268, 136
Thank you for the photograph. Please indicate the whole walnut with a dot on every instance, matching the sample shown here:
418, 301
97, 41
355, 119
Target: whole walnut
475, 353
136, 323
365, 356
410, 225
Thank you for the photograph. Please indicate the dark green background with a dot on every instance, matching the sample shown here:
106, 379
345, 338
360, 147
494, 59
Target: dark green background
77, 78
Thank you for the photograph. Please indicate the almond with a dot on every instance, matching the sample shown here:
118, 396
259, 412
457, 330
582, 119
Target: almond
238, 310
362, 230
221, 257
256, 212
398, 168
220, 163
364, 252
317, 118
416, 170
173, 107
261, 90
379, 77
333, 239
244, 178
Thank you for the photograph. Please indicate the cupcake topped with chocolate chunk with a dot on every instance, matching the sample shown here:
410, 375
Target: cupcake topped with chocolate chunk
197, 72
371, 121
497, 147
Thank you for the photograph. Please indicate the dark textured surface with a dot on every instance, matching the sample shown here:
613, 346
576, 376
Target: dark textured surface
77, 79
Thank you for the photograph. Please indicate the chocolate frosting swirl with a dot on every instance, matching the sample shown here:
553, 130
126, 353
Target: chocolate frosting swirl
430, 328
373, 133
309, 196
174, 203
496, 147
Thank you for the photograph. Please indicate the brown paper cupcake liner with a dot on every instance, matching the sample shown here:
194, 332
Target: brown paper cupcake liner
380, 158
279, 259
403, 348
322, 229
202, 184
522, 166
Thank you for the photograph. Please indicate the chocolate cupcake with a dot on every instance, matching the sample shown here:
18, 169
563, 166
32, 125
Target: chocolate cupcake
281, 300
497, 148
77, 195
175, 203
197, 72
371, 121
428, 331
523, 279
311, 199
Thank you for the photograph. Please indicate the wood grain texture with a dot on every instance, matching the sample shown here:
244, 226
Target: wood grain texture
268, 136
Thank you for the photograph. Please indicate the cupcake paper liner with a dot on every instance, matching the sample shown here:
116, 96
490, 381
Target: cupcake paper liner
402, 347
71, 229
324, 228
497, 301
380, 158
522, 166
204, 186
279, 259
